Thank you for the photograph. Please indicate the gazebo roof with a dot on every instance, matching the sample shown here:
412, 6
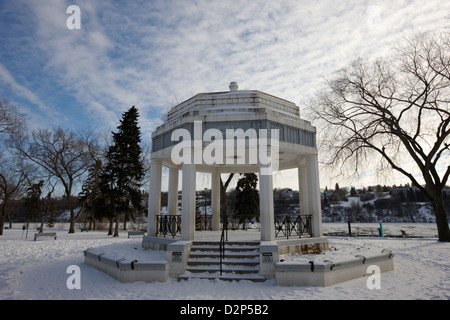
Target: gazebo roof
234, 102
239, 109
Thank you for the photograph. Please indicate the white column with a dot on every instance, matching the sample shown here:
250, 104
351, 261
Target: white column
215, 200
312, 172
188, 202
154, 196
303, 189
266, 204
172, 197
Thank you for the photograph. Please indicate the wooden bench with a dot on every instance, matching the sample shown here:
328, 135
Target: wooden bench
48, 234
84, 229
135, 233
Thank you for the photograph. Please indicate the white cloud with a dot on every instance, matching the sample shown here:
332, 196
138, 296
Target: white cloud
45, 113
152, 53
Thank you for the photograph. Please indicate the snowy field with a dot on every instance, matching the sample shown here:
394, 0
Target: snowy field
37, 270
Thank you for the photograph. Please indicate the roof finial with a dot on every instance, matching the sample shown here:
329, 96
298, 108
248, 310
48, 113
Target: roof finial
233, 86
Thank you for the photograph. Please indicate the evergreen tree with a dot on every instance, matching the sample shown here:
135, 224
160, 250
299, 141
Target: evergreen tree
103, 203
325, 196
91, 193
247, 198
411, 195
51, 218
33, 201
124, 170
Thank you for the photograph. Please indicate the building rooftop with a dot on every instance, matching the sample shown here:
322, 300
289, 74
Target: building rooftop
236, 102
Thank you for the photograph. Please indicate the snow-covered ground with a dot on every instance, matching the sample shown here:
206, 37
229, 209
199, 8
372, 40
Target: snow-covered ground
37, 270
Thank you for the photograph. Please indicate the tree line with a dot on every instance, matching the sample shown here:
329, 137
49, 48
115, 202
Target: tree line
109, 171
374, 203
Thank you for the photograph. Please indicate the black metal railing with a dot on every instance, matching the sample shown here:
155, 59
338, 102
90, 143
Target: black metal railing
285, 226
222, 249
288, 225
223, 238
242, 223
168, 225
203, 222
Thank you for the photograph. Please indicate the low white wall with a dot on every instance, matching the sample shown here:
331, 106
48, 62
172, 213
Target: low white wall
302, 245
270, 251
128, 270
329, 273
156, 243
178, 254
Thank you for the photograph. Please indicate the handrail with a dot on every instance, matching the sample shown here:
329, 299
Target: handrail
222, 241
222, 249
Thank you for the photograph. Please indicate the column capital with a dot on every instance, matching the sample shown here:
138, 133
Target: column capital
301, 162
155, 161
215, 173
311, 157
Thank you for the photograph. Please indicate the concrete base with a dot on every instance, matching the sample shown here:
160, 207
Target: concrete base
156, 243
303, 245
177, 254
125, 270
328, 273
270, 251
172, 262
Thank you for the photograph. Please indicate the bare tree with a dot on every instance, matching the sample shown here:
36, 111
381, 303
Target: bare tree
11, 120
393, 114
223, 195
46, 202
12, 183
62, 154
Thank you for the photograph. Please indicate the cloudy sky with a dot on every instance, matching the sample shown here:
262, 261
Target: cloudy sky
155, 54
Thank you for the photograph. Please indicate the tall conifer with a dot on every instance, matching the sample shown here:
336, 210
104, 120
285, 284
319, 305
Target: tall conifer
247, 199
124, 169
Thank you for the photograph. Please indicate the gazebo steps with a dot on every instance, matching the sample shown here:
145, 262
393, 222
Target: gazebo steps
228, 254
245, 245
223, 277
238, 269
241, 262
225, 262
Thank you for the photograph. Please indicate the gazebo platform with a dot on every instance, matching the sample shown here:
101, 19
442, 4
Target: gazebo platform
245, 258
244, 131
263, 254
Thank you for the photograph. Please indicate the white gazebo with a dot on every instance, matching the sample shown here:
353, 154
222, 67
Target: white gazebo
239, 131
236, 131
